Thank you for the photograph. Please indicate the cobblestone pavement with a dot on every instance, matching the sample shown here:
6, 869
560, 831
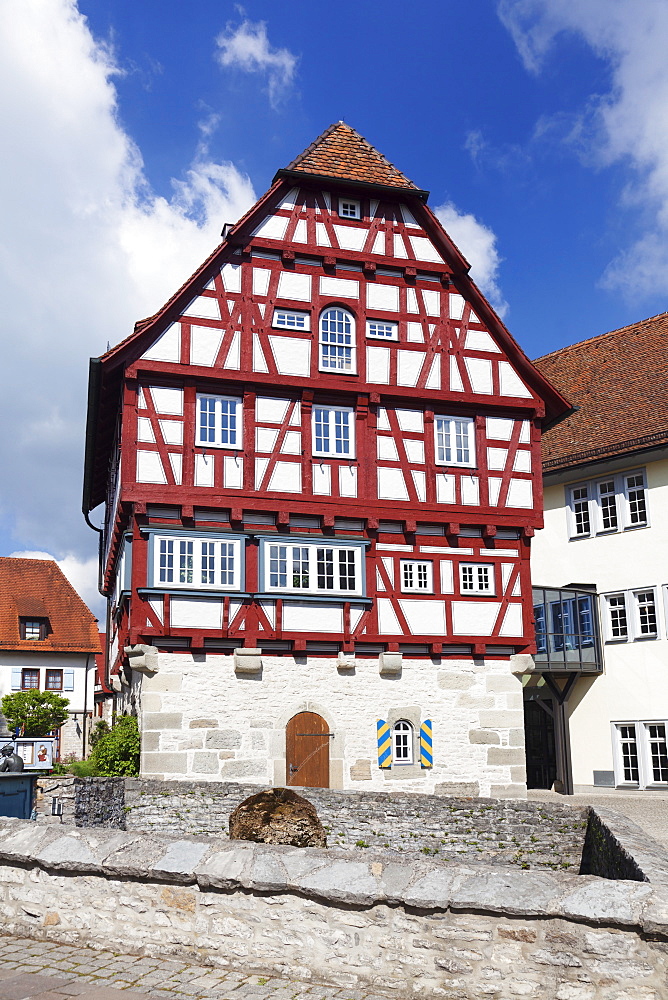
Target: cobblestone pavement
648, 809
43, 970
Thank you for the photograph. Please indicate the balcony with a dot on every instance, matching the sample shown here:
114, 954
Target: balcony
568, 636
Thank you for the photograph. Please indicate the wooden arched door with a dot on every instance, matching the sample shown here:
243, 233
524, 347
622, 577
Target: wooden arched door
307, 739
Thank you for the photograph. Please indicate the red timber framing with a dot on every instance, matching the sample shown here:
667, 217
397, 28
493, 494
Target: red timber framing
441, 415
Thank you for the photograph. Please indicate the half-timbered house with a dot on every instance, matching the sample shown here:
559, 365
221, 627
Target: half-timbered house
321, 469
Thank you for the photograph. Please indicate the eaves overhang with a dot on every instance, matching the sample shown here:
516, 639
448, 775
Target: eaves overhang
301, 176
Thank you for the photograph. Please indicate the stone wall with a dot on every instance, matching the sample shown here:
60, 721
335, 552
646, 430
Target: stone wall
400, 925
200, 719
502, 831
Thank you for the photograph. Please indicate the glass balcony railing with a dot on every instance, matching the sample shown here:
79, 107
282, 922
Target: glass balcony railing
567, 630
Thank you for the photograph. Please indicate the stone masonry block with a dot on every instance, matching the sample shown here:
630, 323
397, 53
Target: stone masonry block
161, 720
512, 791
454, 682
506, 755
483, 736
164, 763
522, 663
469, 699
151, 702
361, 770
516, 737
501, 719
247, 660
498, 683
514, 701
150, 741
518, 774
465, 788
161, 683
205, 763
203, 723
223, 739
244, 769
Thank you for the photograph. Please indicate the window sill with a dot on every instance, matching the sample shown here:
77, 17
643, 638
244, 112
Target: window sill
315, 598
189, 592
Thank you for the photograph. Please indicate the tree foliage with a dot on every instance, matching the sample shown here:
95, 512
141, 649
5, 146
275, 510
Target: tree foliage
36, 712
117, 752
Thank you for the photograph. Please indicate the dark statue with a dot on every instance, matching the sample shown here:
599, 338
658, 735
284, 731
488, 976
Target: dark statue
10, 760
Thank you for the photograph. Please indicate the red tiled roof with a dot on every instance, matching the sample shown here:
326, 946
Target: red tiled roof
343, 153
619, 381
37, 588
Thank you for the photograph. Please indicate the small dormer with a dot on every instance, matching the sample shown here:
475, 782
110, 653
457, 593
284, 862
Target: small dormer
34, 628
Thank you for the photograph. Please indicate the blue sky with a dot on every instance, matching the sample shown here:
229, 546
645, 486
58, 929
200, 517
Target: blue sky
539, 126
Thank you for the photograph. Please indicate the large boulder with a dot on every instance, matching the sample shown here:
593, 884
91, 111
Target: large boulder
278, 816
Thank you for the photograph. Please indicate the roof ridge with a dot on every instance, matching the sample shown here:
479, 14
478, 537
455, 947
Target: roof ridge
600, 336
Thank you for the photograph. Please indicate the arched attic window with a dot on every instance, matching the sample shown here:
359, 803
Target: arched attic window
337, 340
402, 742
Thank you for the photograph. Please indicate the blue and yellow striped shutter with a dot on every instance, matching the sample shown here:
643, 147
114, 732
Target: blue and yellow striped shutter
426, 759
384, 744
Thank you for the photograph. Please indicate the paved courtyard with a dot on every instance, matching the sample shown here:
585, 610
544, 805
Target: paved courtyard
648, 809
42, 970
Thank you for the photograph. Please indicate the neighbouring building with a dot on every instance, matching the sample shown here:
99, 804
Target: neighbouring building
48, 642
321, 469
605, 540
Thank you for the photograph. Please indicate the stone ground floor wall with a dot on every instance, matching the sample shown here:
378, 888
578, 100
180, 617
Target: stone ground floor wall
200, 719
408, 927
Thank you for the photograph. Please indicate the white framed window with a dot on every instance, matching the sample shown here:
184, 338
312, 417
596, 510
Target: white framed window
640, 753
631, 615
334, 431
291, 319
219, 422
337, 341
603, 506
402, 742
382, 330
476, 578
318, 568
349, 208
197, 563
417, 574
455, 440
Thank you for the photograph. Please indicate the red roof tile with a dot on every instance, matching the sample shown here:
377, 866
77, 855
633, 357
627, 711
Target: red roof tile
619, 381
37, 588
343, 153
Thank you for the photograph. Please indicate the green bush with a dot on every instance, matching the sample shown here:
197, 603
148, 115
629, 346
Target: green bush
35, 712
101, 729
117, 753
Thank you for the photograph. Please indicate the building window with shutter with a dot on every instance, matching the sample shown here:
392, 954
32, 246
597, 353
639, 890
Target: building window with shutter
54, 680
34, 629
402, 742
29, 680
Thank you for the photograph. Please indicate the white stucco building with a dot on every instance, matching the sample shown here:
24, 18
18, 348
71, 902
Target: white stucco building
606, 501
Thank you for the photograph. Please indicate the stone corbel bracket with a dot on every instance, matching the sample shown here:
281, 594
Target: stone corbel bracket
142, 658
389, 664
247, 661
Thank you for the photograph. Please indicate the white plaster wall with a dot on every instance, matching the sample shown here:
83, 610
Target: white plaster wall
635, 682
200, 719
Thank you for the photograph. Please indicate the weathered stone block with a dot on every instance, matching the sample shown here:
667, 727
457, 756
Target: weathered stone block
451, 681
203, 723
501, 719
500, 683
390, 664
150, 742
205, 763
161, 682
361, 770
223, 739
483, 736
516, 737
247, 660
151, 702
518, 773
244, 769
161, 720
511, 791
164, 763
470, 699
465, 788
506, 755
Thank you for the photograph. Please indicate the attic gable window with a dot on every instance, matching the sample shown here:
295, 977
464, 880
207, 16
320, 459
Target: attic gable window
33, 628
349, 209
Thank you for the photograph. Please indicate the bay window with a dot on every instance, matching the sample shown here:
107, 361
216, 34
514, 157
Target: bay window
196, 562
322, 569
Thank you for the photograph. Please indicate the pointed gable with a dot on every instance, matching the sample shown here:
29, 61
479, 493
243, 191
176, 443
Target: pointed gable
341, 153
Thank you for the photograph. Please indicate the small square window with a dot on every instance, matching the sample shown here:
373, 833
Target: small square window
29, 680
477, 578
349, 209
381, 330
33, 628
54, 680
417, 575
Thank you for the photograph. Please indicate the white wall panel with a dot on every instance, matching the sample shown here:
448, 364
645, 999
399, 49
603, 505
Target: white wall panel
356, 612
388, 623
265, 438
420, 482
391, 484
231, 275
292, 355
292, 443
149, 468
525, 432
204, 307
409, 366
445, 488
380, 586
286, 478
408, 217
269, 608
447, 577
302, 616
411, 420
379, 244
499, 428
510, 382
350, 237
157, 606
399, 247
290, 199
321, 237
347, 480
259, 361
260, 469
270, 410
494, 487
470, 491
322, 479
432, 301
168, 401
512, 621
167, 347
294, 286
414, 333
506, 570
496, 458
522, 461
383, 297
172, 431
273, 227
378, 365
233, 472
414, 451
383, 419
480, 374
145, 430
176, 462
456, 384
196, 612
205, 343
261, 276
300, 234
343, 288
233, 356
204, 470
434, 377
474, 617
480, 340
388, 563
386, 448
456, 306
424, 617
411, 301
424, 249
520, 493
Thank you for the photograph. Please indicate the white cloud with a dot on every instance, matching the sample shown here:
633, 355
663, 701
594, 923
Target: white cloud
478, 244
86, 248
627, 125
81, 573
247, 48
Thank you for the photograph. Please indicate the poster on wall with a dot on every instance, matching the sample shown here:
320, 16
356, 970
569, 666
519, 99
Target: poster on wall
37, 755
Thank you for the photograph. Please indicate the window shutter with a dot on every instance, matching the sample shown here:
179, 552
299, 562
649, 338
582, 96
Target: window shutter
425, 744
16, 679
384, 744
68, 680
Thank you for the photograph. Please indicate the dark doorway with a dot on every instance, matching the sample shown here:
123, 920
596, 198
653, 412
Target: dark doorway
307, 739
540, 743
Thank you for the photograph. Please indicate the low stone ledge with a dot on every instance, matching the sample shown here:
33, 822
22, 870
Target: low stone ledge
641, 856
